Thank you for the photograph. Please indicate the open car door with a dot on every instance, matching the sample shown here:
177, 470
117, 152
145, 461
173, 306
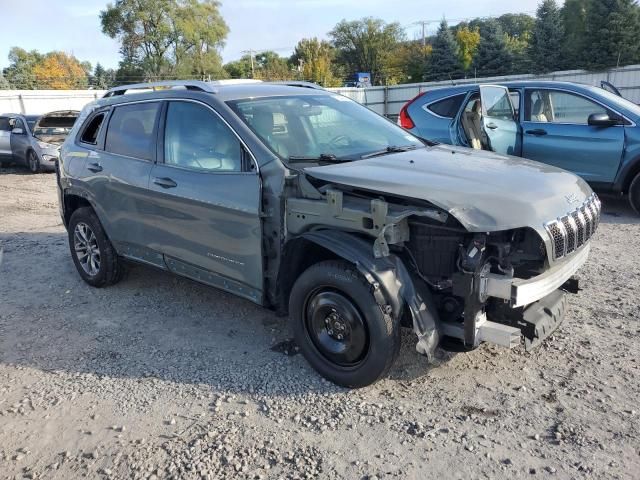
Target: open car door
498, 120
609, 87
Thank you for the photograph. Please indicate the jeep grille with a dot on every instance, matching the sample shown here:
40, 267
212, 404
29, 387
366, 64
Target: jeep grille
572, 231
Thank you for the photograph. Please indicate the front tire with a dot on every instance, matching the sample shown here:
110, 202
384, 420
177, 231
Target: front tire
340, 329
93, 255
634, 193
33, 162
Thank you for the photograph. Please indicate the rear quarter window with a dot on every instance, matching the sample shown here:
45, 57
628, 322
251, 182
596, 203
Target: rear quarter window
92, 129
447, 107
131, 130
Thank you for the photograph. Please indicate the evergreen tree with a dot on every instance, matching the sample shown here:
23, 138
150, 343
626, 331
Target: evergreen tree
547, 38
493, 57
444, 63
573, 18
613, 28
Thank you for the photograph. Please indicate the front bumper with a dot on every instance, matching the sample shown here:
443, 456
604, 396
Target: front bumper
519, 292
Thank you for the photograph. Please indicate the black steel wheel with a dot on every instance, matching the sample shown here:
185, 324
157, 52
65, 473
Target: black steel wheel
338, 325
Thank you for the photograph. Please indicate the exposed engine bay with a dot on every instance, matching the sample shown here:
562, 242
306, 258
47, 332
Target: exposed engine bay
464, 279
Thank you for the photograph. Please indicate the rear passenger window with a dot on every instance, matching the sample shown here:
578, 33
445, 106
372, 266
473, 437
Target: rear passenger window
448, 107
90, 133
131, 130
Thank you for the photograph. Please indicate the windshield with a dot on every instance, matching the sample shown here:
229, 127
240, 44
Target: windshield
314, 126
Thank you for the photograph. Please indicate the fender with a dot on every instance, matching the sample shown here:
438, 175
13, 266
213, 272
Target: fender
390, 281
625, 175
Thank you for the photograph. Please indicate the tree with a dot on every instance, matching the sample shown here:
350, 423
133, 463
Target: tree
102, 78
201, 31
367, 45
19, 73
409, 62
314, 59
612, 28
240, 68
573, 14
4, 83
468, 40
59, 71
492, 57
271, 66
516, 25
547, 38
444, 63
167, 37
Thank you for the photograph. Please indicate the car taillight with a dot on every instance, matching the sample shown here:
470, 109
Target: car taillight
404, 120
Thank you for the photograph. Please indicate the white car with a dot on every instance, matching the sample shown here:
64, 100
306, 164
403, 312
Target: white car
34, 140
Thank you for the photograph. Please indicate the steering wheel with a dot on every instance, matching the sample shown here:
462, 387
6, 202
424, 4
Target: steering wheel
337, 139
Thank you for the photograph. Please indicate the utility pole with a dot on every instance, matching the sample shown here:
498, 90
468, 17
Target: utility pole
424, 24
251, 52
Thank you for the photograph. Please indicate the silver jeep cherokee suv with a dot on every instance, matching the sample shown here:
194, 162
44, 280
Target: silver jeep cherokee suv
308, 203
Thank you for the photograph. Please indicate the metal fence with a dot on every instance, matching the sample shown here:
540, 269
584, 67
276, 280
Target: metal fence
389, 100
384, 100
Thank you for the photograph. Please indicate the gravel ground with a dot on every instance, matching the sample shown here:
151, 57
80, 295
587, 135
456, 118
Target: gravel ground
159, 377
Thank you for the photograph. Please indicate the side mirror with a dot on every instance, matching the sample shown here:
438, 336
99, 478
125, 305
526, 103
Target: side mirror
604, 120
17, 131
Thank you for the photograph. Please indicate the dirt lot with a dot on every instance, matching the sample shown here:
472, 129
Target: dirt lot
161, 377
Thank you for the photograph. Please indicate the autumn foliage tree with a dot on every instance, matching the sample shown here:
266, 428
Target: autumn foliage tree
59, 71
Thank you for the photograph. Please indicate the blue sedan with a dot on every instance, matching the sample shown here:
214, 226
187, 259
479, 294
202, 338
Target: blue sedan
586, 130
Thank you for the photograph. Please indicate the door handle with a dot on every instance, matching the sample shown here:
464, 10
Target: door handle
165, 182
94, 167
538, 132
492, 126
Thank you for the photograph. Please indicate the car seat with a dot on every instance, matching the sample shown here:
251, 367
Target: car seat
537, 112
472, 124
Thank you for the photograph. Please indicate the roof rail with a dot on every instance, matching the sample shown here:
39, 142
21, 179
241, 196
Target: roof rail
296, 83
188, 84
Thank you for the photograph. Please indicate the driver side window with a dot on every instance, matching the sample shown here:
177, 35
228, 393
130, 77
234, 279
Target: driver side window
196, 138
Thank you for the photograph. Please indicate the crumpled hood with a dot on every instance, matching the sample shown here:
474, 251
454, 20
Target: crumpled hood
483, 190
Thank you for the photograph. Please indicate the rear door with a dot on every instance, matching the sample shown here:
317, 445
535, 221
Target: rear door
206, 195
498, 120
5, 138
556, 131
20, 140
117, 170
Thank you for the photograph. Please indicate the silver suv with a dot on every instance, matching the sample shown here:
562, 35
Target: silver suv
310, 204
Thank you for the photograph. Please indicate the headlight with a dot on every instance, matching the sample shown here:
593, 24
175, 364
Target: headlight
49, 158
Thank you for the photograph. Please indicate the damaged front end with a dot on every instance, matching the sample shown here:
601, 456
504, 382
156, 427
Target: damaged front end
453, 286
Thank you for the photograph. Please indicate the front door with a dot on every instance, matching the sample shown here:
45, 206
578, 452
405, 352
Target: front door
20, 140
556, 131
498, 120
206, 196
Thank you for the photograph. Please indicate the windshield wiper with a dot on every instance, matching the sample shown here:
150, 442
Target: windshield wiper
323, 157
390, 149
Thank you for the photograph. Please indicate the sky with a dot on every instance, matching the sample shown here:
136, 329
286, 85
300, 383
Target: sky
73, 26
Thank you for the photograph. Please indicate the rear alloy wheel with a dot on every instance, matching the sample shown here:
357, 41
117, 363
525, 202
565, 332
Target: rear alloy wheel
340, 328
634, 193
33, 162
93, 255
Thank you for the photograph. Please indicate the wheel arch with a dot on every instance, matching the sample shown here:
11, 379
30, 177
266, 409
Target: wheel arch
391, 284
72, 202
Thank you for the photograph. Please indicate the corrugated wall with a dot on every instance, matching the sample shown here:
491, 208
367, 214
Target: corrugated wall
389, 100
